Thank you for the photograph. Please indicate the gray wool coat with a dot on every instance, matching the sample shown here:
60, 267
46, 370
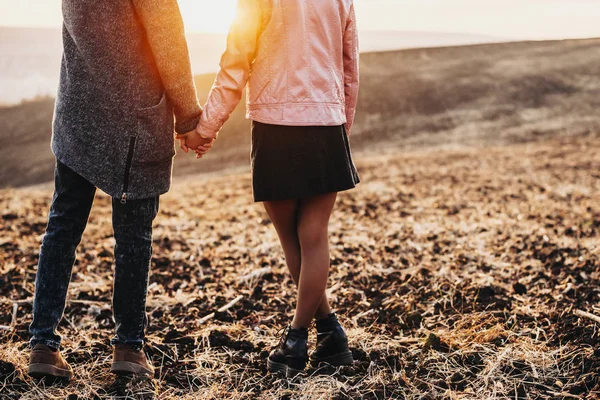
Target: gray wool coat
126, 85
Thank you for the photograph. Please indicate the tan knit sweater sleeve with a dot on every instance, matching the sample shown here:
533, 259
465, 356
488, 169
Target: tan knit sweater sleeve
165, 31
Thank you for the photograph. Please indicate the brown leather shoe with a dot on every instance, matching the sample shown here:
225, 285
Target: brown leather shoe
45, 362
129, 361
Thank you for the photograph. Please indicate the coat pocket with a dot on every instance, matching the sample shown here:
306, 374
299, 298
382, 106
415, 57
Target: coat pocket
155, 133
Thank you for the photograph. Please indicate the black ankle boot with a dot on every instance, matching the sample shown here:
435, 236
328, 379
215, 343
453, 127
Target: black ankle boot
332, 343
291, 355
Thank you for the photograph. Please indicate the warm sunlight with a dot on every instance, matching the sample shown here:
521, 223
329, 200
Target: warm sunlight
299, 199
529, 19
195, 13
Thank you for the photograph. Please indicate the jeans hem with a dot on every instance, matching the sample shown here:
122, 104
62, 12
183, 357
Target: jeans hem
46, 342
137, 344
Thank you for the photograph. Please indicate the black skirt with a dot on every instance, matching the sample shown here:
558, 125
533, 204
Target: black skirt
296, 162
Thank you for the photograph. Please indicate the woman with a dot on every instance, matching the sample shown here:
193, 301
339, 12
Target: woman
300, 60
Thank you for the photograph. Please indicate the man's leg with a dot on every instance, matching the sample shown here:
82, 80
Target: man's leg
132, 223
69, 212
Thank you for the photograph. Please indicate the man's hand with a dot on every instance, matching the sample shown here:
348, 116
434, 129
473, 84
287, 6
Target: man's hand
196, 142
182, 139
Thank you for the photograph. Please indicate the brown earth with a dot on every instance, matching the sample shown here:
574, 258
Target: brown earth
457, 265
456, 271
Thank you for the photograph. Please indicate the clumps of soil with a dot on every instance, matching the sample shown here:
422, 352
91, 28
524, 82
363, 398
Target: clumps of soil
456, 274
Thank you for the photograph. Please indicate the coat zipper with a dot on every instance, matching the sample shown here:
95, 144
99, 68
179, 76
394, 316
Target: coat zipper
128, 170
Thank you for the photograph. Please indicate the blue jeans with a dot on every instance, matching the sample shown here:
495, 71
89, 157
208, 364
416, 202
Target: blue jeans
69, 212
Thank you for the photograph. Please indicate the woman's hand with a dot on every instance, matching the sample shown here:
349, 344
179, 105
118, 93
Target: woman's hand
203, 149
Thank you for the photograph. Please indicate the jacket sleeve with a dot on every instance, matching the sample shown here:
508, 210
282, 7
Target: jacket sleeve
235, 64
351, 68
165, 31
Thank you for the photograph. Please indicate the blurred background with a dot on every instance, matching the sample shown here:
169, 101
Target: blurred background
475, 71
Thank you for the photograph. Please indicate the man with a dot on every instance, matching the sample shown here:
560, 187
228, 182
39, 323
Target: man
125, 74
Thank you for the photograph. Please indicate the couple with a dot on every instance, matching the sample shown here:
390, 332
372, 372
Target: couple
126, 85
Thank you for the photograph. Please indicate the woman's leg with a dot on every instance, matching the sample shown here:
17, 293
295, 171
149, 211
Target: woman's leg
313, 235
284, 215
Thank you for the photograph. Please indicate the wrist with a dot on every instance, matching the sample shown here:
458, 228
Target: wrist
206, 130
185, 125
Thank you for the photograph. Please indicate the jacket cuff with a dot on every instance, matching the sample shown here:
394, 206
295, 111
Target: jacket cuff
207, 130
188, 124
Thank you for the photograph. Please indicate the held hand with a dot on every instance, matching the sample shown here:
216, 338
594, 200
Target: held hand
196, 142
202, 150
182, 140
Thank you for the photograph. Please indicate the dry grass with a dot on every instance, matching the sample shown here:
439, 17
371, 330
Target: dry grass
456, 273
457, 264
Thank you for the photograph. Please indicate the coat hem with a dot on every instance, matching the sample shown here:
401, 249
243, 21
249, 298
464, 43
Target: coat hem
105, 189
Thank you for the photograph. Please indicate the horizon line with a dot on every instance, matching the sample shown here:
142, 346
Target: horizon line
58, 27
490, 37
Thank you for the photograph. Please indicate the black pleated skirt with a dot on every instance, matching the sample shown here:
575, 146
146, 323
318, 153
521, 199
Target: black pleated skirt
296, 162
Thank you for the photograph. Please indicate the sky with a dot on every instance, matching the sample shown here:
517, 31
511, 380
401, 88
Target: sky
518, 19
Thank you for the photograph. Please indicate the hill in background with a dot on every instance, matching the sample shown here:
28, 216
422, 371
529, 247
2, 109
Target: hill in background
447, 97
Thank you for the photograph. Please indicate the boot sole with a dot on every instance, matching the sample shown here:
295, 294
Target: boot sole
40, 371
336, 360
275, 367
129, 368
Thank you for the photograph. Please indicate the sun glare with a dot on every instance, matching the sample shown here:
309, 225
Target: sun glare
208, 15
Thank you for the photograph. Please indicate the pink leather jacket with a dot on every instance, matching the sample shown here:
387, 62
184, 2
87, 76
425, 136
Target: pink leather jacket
300, 60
